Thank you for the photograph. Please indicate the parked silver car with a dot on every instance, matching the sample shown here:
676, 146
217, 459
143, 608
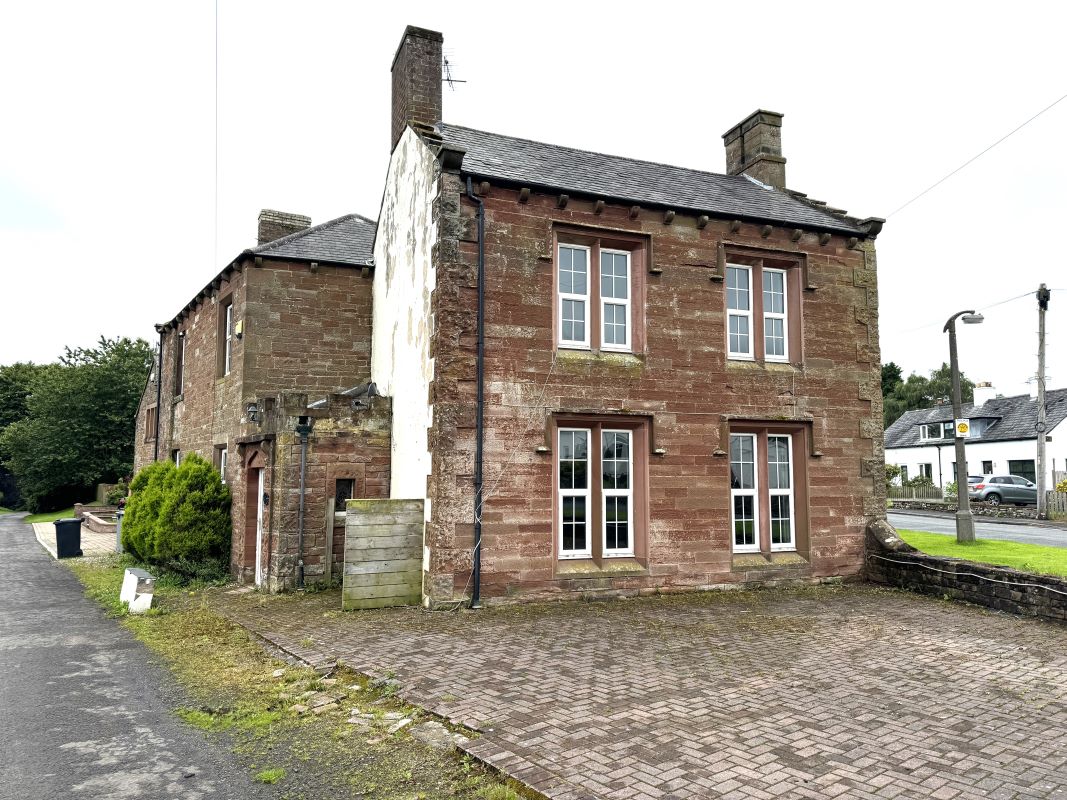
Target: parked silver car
997, 489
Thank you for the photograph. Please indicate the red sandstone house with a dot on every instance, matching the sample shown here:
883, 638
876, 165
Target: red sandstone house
598, 375
276, 345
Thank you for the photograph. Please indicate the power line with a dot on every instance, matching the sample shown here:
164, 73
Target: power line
975, 158
983, 308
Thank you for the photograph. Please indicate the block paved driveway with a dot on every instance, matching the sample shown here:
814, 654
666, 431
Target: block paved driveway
852, 691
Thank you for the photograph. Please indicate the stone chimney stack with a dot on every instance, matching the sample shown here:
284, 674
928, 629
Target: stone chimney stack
754, 147
276, 224
416, 70
982, 392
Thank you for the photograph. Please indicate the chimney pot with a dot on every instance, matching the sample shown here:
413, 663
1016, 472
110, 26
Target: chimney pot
754, 147
417, 73
276, 224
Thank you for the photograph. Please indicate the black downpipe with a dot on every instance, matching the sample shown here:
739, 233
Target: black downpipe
159, 394
479, 411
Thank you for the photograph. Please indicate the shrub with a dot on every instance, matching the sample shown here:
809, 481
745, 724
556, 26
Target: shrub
116, 493
920, 481
1062, 486
892, 472
951, 488
194, 520
147, 491
179, 518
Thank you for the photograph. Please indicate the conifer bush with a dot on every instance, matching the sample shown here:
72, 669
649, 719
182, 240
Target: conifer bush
179, 518
147, 491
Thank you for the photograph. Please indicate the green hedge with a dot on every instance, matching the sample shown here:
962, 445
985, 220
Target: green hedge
179, 517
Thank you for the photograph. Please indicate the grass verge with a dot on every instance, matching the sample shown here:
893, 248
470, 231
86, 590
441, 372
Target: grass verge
6, 510
1025, 557
244, 699
50, 516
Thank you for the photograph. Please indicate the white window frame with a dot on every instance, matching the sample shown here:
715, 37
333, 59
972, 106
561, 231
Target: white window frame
947, 429
783, 316
228, 341
618, 552
223, 457
627, 346
738, 354
586, 493
574, 344
753, 493
791, 545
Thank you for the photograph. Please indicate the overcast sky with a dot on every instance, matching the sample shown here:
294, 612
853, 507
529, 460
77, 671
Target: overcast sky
111, 218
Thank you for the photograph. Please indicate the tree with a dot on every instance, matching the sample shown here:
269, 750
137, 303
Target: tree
919, 392
78, 428
891, 376
14, 389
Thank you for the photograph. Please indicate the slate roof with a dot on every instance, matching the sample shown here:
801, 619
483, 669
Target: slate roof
1015, 418
548, 166
345, 240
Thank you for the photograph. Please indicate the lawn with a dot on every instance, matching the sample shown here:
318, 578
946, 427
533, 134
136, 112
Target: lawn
6, 510
246, 700
1026, 557
50, 516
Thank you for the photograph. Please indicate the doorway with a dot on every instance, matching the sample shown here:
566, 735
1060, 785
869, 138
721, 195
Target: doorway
259, 524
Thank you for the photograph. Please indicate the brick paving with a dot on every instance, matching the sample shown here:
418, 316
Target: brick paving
854, 691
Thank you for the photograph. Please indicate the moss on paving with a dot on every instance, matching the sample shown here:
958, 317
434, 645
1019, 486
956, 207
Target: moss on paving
237, 701
1033, 558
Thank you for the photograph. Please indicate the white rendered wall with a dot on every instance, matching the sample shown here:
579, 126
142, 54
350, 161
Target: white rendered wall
404, 277
977, 452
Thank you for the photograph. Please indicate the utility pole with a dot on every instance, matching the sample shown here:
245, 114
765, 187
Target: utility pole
1042, 306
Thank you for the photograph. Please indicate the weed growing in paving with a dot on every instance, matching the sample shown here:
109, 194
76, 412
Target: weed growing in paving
252, 703
270, 776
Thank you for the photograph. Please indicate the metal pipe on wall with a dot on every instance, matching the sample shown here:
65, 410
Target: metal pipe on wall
479, 412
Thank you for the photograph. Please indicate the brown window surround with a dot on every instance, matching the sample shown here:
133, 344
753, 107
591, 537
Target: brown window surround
799, 436
224, 358
150, 417
640, 436
596, 240
758, 264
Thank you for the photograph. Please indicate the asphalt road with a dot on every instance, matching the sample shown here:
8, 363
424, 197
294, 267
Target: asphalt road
84, 711
1008, 531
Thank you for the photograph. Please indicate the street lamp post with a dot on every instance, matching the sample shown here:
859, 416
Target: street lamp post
964, 518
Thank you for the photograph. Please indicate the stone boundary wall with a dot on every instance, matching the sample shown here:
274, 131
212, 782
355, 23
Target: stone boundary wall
892, 561
383, 554
978, 509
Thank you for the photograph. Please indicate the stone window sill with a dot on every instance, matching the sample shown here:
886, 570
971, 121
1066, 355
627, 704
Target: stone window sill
617, 567
744, 562
770, 366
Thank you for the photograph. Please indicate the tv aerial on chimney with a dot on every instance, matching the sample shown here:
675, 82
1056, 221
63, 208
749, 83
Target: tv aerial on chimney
449, 78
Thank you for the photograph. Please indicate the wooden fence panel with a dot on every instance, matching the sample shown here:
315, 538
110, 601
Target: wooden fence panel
383, 554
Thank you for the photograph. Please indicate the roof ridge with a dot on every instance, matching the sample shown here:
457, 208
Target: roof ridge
599, 153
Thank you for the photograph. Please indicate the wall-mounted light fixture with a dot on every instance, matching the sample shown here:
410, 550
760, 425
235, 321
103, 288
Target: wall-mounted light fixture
252, 410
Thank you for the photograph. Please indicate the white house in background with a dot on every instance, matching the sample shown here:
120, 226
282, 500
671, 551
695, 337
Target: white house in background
1003, 438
